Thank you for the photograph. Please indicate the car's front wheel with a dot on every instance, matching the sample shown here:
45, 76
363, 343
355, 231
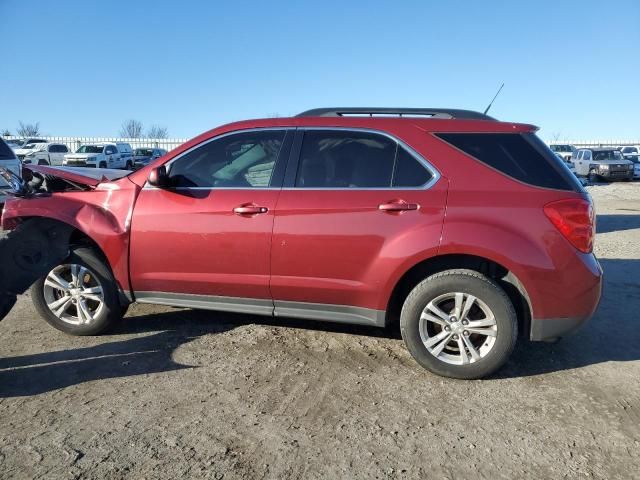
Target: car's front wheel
460, 324
78, 296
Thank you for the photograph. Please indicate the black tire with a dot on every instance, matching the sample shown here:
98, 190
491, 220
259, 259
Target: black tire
43, 162
593, 176
128, 166
484, 289
102, 165
112, 310
7, 301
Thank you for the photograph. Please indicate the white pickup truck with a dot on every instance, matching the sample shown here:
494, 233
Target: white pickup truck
45, 154
101, 155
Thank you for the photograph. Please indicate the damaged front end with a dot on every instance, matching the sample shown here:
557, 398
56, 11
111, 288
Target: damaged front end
41, 227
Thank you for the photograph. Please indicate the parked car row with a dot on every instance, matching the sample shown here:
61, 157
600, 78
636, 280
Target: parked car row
35, 151
601, 163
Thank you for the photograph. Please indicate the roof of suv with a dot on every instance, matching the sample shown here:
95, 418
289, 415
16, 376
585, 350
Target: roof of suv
427, 119
448, 113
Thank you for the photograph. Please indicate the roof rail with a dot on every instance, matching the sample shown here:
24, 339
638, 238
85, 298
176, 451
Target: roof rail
447, 113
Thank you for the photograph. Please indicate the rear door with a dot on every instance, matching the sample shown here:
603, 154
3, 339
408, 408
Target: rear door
356, 206
206, 241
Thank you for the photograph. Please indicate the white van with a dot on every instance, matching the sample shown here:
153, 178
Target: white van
101, 155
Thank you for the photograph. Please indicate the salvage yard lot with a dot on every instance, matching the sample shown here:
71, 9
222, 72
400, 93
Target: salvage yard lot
175, 393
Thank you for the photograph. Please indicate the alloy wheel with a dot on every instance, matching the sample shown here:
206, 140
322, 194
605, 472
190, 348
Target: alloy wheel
458, 328
74, 294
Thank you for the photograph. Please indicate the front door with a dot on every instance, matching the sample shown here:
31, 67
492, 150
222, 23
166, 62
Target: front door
205, 241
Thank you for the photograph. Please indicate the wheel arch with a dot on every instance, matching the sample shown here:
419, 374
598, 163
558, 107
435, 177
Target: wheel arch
77, 237
513, 287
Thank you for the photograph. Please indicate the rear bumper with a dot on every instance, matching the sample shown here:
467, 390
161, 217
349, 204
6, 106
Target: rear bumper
552, 328
585, 301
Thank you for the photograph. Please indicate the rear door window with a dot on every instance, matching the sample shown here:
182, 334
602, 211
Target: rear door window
409, 172
523, 157
345, 159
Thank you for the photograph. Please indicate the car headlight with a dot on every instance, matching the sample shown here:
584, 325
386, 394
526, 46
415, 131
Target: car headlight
603, 167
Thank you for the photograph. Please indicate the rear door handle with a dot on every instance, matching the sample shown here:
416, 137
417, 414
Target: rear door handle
250, 209
397, 206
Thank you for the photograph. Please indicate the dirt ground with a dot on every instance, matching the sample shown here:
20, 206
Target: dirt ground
177, 393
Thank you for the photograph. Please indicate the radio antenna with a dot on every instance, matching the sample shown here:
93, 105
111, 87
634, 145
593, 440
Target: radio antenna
494, 98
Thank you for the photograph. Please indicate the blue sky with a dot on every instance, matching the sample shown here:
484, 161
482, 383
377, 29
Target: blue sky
82, 67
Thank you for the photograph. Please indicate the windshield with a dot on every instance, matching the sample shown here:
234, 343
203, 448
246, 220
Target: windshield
30, 146
15, 143
607, 155
143, 152
90, 149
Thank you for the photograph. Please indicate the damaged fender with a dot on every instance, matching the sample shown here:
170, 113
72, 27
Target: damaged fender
27, 253
47, 206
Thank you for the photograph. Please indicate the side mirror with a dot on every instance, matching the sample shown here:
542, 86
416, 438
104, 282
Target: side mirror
158, 177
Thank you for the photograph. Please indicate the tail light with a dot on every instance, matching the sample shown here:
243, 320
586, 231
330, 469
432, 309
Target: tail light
575, 220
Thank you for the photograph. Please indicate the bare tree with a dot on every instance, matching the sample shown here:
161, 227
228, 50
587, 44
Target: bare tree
555, 137
28, 129
156, 131
131, 129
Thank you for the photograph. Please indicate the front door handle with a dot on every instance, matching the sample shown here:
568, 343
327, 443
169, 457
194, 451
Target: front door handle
397, 206
250, 209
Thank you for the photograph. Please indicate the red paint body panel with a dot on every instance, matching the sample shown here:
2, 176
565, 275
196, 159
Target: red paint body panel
192, 242
336, 246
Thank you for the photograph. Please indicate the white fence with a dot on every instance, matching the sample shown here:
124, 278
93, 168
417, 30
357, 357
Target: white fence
74, 142
596, 143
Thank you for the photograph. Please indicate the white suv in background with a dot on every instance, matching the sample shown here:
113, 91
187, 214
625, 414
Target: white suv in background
46, 154
19, 143
565, 151
101, 155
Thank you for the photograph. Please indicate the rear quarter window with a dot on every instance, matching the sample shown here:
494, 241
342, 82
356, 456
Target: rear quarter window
523, 157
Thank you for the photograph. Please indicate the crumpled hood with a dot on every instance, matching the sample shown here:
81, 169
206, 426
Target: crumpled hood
81, 175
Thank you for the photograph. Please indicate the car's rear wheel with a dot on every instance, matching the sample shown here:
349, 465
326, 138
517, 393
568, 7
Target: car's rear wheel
78, 296
43, 162
460, 324
102, 165
128, 166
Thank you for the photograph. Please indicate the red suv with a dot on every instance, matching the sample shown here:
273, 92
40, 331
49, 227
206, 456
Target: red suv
466, 230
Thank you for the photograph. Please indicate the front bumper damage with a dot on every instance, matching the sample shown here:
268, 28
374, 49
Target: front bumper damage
26, 254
